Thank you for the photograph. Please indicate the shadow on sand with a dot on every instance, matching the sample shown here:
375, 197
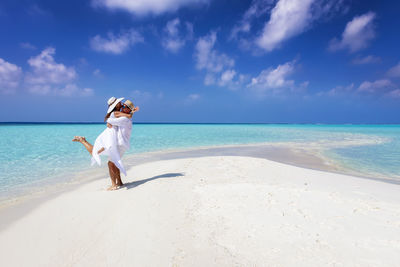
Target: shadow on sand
137, 183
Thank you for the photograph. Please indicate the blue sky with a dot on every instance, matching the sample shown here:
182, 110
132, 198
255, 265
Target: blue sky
272, 61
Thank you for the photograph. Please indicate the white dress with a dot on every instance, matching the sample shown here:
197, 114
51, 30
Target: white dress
109, 140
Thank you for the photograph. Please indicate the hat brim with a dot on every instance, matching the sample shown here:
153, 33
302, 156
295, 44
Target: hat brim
110, 108
129, 104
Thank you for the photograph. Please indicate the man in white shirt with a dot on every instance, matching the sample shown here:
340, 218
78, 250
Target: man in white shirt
124, 130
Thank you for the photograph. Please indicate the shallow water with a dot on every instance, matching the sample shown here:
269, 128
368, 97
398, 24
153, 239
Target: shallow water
34, 153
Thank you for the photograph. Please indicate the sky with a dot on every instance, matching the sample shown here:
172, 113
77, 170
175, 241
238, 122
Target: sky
201, 61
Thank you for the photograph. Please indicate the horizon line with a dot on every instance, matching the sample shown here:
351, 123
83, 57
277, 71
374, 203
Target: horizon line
303, 123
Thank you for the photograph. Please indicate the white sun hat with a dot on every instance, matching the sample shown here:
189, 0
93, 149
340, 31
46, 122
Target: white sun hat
112, 102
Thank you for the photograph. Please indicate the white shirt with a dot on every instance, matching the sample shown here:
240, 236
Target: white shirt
124, 130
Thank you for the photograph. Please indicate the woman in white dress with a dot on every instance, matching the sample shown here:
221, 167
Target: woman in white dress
106, 144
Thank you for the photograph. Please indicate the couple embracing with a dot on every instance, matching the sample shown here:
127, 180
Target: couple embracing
114, 141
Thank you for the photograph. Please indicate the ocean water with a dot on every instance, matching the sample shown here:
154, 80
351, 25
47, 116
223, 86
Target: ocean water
35, 153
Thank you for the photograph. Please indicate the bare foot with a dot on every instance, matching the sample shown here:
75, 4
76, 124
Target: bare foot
79, 139
120, 183
112, 188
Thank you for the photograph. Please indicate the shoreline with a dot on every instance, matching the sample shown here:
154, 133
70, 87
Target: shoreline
211, 211
307, 159
285, 153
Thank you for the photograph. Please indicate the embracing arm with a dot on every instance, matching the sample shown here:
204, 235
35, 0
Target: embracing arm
121, 121
119, 114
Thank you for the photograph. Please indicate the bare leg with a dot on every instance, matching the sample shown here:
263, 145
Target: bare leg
112, 176
118, 176
112, 169
86, 144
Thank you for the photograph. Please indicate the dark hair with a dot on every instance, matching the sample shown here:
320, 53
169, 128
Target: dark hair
108, 114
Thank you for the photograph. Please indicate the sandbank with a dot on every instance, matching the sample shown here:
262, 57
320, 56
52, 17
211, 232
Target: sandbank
211, 211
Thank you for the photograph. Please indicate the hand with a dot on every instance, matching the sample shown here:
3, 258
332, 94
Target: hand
135, 109
109, 125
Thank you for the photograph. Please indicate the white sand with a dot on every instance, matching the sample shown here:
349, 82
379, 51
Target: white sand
213, 211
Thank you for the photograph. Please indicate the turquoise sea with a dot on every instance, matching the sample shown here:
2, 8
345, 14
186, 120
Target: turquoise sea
35, 153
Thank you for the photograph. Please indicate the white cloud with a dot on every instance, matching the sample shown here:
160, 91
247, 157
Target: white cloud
227, 77
338, 90
218, 66
116, 44
208, 58
288, 18
173, 41
140, 96
10, 76
87, 92
35, 10
98, 73
366, 60
144, 7
27, 46
273, 80
383, 87
394, 93
357, 34
46, 76
73, 90
46, 70
68, 90
192, 98
40, 89
395, 71
209, 79
257, 8
377, 86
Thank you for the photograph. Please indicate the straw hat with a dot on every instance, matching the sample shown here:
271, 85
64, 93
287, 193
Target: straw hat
129, 104
112, 102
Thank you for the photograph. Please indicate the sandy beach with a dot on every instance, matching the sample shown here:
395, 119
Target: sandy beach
211, 211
